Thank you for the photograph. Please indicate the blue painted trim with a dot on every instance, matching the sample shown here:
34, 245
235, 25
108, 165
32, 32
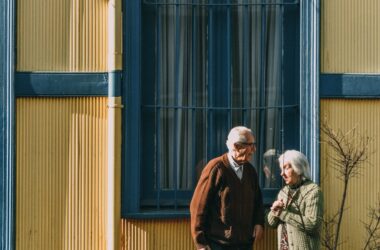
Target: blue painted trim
114, 84
130, 199
349, 86
176, 88
7, 126
309, 87
64, 84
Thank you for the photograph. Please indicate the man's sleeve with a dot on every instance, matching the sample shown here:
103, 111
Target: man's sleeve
258, 215
199, 206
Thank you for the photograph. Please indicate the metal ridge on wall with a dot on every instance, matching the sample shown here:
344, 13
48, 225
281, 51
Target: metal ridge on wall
61, 173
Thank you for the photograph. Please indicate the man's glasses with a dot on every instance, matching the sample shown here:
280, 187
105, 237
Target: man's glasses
241, 145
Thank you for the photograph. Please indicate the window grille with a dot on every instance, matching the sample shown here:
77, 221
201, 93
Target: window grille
208, 66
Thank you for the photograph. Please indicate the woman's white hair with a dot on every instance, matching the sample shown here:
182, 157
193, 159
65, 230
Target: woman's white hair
298, 161
237, 134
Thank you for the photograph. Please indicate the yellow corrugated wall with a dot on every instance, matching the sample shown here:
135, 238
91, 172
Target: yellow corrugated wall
364, 190
350, 36
61, 173
171, 235
65, 35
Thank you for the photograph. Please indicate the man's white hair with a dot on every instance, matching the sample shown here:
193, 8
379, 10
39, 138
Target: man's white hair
237, 134
299, 163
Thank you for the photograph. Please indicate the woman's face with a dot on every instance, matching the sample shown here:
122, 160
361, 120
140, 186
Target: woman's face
289, 175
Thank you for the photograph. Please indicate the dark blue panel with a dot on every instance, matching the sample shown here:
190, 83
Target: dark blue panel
291, 80
218, 85
149, 121
349, 86
7, 126
131, 112
269, 195
66, 84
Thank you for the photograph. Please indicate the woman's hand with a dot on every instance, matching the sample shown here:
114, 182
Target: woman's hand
277, 207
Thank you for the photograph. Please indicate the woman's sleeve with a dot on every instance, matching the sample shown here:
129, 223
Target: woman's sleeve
272, 220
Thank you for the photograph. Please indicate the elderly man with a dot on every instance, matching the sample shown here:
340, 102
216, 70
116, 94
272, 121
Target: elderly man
227, 209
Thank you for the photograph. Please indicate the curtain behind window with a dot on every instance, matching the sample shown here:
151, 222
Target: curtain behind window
183, 89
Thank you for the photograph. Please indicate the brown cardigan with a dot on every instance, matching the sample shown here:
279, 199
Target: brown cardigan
224, 208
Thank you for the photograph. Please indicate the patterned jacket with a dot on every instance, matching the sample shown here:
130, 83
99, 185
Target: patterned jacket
303, 217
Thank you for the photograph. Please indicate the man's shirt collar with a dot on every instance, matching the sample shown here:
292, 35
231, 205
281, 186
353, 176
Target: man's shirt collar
236, 167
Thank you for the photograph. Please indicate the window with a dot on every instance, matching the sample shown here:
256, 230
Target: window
207, 66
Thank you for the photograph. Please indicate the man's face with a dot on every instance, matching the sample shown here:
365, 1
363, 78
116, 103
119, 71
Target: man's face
243, 151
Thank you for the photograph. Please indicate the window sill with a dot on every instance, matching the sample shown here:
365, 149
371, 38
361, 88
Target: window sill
158, 214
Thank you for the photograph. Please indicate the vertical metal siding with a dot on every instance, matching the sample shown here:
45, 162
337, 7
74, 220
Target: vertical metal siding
67, 35
269, 241
350, 36
363, 190
170, 235
61, 173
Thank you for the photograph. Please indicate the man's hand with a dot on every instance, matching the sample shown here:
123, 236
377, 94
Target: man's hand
258, 232
205, 248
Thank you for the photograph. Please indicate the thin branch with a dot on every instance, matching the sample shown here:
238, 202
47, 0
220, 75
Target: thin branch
350, 150
373, 228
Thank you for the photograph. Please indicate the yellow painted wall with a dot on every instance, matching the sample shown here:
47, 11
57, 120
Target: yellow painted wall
65, 35
350, 36
61, 173
171, 235
61, 182
364, 191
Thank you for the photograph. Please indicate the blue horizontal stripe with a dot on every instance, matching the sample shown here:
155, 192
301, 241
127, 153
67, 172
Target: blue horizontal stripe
61, 84
349, 86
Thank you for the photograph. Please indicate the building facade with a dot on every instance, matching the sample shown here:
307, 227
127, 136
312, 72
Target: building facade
110, 109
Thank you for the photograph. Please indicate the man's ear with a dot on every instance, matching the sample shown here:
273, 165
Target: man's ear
230, 146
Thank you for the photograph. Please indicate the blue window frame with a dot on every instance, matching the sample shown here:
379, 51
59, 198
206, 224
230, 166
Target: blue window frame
195, 70
7, 126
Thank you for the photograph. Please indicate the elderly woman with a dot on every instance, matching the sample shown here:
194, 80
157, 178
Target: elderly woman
297, 212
